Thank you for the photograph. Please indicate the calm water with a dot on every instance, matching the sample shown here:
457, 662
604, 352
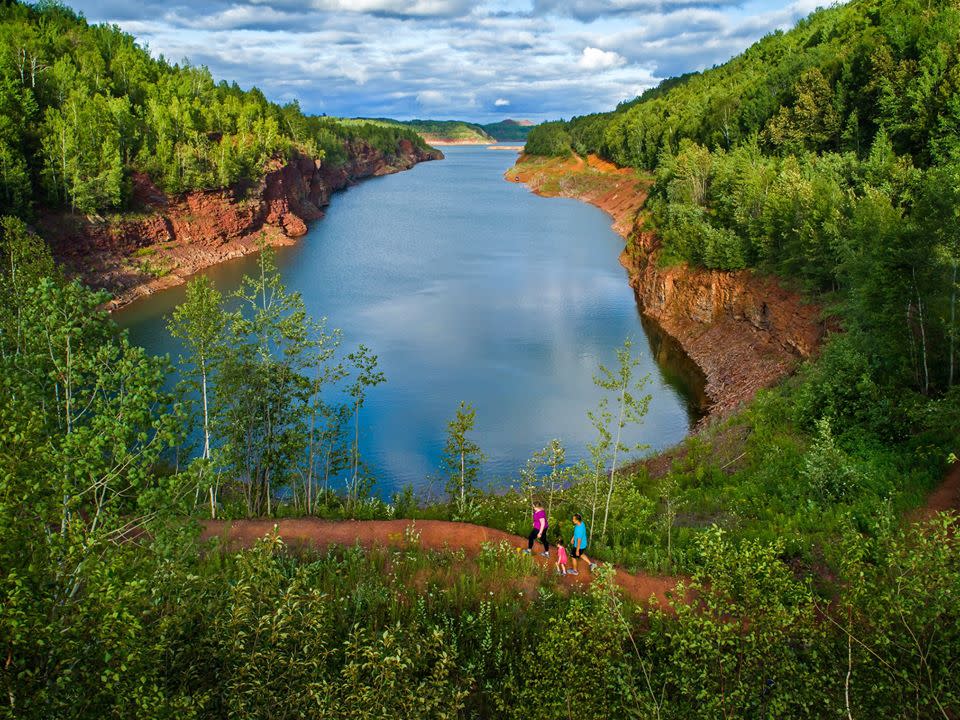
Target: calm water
471, 288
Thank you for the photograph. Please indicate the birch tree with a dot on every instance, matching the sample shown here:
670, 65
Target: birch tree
462, 459
200, 322
366, 375
264, 385
630, 406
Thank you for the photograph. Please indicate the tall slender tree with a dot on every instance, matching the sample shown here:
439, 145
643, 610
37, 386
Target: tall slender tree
200, 322
462, 459
366, 375
631, 407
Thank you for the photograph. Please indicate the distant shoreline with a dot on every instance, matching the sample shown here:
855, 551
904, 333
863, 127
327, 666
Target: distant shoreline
474, 143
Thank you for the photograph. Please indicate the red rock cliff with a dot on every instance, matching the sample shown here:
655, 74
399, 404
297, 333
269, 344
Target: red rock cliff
743, 331
166, 239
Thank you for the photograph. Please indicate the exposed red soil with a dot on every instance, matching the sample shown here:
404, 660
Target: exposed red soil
744, 332
433, 534
617, 191
166, 239
945, 498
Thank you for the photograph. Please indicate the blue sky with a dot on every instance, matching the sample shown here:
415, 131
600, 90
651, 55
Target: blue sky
446, 59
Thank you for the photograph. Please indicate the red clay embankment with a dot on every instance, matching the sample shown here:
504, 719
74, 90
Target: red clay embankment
743, 331
432, 534
165, 239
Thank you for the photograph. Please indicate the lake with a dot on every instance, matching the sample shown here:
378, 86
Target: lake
471, 288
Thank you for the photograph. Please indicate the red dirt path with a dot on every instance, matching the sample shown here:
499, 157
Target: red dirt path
443, 535
945, 498
434, 534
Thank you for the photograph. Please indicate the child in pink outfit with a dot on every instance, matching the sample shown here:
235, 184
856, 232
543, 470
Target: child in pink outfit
561, 559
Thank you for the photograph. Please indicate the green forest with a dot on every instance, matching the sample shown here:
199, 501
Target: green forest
826, 156
458, 130
83, 106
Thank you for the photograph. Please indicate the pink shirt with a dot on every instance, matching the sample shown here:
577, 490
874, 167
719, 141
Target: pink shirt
538, 516
561, 555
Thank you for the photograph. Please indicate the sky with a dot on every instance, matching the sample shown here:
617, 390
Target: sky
449, 59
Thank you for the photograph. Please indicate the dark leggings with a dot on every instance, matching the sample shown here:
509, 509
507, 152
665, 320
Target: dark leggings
533, 536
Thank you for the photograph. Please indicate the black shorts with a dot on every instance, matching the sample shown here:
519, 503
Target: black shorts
577, 552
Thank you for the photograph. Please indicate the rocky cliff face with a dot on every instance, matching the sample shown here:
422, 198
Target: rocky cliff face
744, 332
166, 239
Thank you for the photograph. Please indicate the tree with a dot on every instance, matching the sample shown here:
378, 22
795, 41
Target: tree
263, 387
326, 422
200, 322
631, 407
462, 459
81, 145
366, 376
555, 456
600, 451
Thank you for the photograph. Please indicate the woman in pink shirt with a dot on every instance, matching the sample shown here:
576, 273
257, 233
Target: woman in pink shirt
539, 531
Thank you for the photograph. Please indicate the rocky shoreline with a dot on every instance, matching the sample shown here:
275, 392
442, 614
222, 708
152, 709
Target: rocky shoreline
165, 239
743, 331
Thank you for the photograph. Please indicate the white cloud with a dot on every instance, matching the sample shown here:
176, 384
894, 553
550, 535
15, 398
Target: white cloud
398, 8
431, 98
596, 59
447, 59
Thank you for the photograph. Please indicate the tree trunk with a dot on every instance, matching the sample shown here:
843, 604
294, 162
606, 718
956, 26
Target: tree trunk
356, 453
923, 337
613, 467
596, 492
953, 320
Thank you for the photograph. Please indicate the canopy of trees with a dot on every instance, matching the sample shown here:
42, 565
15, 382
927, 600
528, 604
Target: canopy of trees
81, 106
828, 155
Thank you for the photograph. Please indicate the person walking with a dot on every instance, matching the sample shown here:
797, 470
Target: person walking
539, 531
561, 563
578, 545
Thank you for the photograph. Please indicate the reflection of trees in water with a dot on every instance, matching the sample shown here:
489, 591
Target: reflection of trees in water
676, 368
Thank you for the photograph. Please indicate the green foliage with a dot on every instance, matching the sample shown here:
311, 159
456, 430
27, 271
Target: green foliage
461, 460
630, 407
82, 106
508, 130
751, 644
832, 83
550, 139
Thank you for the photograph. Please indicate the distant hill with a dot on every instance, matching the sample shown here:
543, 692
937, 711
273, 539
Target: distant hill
509, 130
459, 131
455, 131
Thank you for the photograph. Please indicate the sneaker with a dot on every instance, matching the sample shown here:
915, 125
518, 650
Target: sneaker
559, 572
545, 554
593, 567
526, 551
572, 572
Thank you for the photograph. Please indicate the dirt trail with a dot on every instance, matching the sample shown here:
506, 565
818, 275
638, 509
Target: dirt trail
433, 534
945, 498
443, 535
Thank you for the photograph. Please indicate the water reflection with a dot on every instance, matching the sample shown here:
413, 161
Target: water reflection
468, 288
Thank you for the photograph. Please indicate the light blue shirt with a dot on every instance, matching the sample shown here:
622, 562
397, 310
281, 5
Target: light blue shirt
580, 532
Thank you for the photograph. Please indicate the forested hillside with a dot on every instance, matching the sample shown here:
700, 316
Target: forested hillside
825, 156
828, 155
82, 106
442, 131
509, 130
